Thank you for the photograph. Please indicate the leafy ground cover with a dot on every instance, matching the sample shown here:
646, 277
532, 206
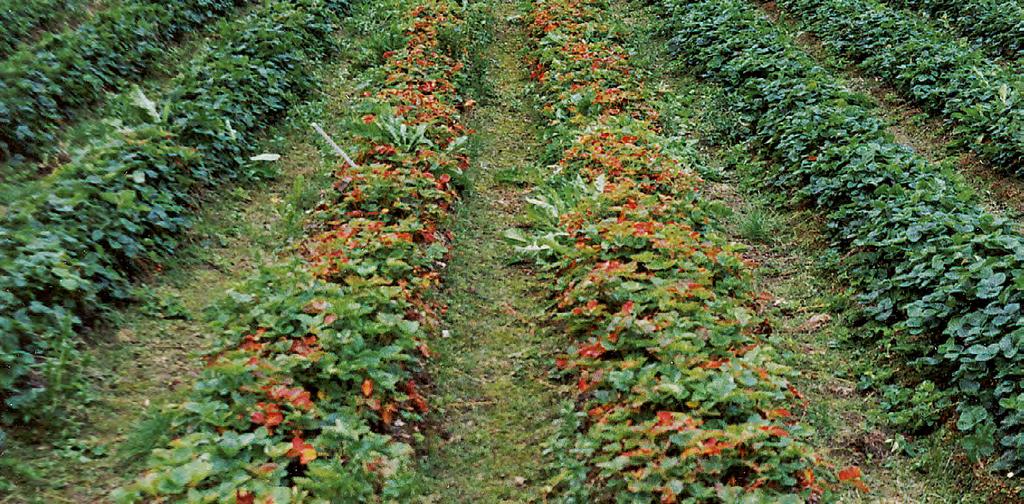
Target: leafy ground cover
817, 323
995, 25
937, 270
679, 395
588, 316
312, 392
24, 18
145, 356
927, 134
944, 75
45, 84
71, 247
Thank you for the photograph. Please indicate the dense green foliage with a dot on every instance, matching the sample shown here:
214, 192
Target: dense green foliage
942, 74
311, 393
46, 84
946, 275
23, 18
680, 396
69, 249
996, 25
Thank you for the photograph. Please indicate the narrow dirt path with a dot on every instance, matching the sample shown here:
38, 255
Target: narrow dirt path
492, 397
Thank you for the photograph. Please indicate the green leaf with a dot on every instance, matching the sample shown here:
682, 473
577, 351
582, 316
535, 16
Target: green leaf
991, 286
971, 416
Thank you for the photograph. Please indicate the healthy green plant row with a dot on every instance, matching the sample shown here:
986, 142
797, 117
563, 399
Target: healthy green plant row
23, 18
312, 393
944, 75
996, 25
680, 396
945, 276
48, 83
68, 250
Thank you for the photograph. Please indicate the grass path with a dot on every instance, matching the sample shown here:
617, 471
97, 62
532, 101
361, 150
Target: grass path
491, 397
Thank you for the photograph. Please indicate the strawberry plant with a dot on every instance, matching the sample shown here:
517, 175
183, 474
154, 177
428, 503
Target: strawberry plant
996, 25
944, 75
679, 395
933, 265
70, 248
313, 392
48, 83
23, 18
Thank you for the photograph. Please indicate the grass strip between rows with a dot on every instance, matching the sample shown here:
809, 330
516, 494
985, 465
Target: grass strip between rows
680, 396
944, 276
70, 249
944, 75
311, 395
45, 84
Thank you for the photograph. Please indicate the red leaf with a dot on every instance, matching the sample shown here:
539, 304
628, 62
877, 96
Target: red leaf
302, 450
795, 392
853, 475
415, 397
269, 415
714, 364
250, 344
665, 418
627, 308
304, 346
593, 351
243, 497
367, 387
274, 418
850, 473
713, 447
775, 430
387, 414
778, 413
643, 228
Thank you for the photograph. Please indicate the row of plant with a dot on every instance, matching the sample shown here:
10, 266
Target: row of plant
997, 25
312, 393
70, 249
680, 396
24, 18
945, 277
48, 83
940, 73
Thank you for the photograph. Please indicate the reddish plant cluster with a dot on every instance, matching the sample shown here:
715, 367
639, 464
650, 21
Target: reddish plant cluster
679, 395
316, 396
